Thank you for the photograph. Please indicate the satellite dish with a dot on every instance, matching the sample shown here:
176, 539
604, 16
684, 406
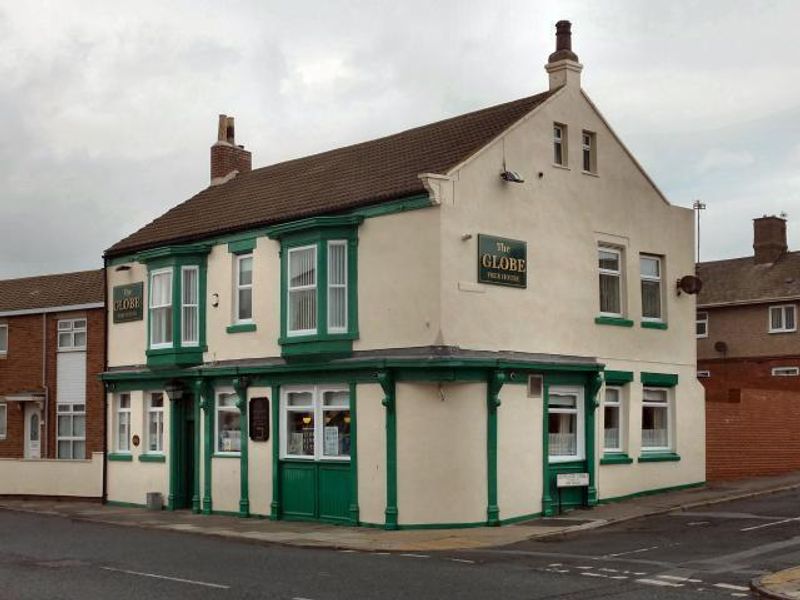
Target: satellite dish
721, 347
690, 284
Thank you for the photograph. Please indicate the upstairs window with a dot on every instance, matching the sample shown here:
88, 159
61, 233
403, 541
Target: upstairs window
650, 269
560, 144
3, 338
701, 325
244, 288
72, 334
782, 319
610, 270
589, 143
161, 308
302, 302
190, 307
337, 286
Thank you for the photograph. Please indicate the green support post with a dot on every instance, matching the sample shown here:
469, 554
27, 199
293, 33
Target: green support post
174, 452
354, 510
595, 382
275, 507
547, 499
493, 386
387, 383
240, 384
207, 404
197, 388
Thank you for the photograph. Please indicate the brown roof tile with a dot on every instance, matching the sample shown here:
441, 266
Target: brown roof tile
741, 280
367, 173
48, 291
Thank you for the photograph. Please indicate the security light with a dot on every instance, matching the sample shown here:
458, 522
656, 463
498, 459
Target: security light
511, 177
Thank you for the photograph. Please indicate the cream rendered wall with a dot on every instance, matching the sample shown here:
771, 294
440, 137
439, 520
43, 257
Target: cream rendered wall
80, 478
371, 453
225, 483
131, 481
260, 462
519, 452
441, 453
126, 341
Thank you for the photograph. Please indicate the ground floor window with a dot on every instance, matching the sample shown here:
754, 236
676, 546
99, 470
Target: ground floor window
123, 423
155, 422
316, 422
612, 420
565, 422
71, 431
655, 419
228, 425
3, 419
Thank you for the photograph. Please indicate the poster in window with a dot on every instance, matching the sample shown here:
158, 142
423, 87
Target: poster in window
332, 441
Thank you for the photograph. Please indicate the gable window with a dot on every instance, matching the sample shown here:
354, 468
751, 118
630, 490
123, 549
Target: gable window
785, 371
701, 325
782, 319
3, 338
155, 423
3, 421
655, 419
228, 424
123, 423
612, 420
650, 270
589, 143
71, 334
316, 422
560, 144
161, 308
244, 288
190, 306
610, 270
71, 431
302, 318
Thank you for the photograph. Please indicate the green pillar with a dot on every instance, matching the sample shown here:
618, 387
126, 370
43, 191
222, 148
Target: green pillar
387, 382
593, 388
275, 507
240, 384
197, 389
547, 499
174, 452
493, 386
354, 510
207, 404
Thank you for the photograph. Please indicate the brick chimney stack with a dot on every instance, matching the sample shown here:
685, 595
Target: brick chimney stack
769, 239
228, 159
563, 66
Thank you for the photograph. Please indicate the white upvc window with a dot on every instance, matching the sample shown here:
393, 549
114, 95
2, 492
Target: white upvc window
154, 425
190, 307
703, 374
560, 144
609, 262
701, 324
650, 270
3, 339
71, 431
565, 424
227, 424
589, 147
3, 420
785, 371
613, 429
71, 334
782, 318
122, 441
656, 418
316, 422
337, 286
244, 288
302, 291
161, 308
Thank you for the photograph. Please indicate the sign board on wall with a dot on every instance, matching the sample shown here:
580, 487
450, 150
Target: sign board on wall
128, 302
259, 419
572, 480
502, 261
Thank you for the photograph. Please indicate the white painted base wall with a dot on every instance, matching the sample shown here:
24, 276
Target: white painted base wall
79, 478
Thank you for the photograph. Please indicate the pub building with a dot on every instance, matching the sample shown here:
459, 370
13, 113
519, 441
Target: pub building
473, 322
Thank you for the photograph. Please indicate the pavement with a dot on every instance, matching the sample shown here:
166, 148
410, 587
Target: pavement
783, 585
366, 539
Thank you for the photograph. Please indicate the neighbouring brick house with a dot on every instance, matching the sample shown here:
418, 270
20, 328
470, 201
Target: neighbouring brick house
52, 348
748, 352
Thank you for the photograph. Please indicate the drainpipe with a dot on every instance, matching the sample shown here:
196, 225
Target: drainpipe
46, 389
104, 493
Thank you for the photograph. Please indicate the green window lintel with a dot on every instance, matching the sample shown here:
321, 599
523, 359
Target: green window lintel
617, 377
241, 328
119, 457
659, 457
618, 321
615, 458
654, 325
242, 246
154, 458
659, 379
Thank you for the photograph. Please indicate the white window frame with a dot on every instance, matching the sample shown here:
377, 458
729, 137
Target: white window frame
317, 395
184, 305
704, 320
119, 410
785, 371
71, 410
703, 374
234, 409
619, 405
580, 426
343, 244
668, 393
243, 286
784, 308
659, 280
151, 307
289, 289
4, 429
591, 148
149, 409
4, 348
71, 327
560, 140
618, 274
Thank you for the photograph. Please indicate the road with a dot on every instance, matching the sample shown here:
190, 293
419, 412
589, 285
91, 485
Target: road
710, 553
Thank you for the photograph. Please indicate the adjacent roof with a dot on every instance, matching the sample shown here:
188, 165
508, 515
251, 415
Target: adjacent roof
367, 173
742, 281
50, 291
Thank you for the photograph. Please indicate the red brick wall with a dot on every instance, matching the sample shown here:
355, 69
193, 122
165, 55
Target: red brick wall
753, 373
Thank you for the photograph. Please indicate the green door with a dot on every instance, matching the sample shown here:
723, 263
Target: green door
566, 444
316, 490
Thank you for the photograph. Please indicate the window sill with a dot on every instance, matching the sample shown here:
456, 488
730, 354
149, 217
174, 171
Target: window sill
654, 325
558, 166
590, 173
153, 458
322, 344
778, 331
659, 457
616, 458
226, 455
617, 321
240, 328
175, 357
556, 460
119, 457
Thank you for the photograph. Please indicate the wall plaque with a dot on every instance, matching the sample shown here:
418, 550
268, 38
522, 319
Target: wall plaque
128, 302
502, 261
259, 419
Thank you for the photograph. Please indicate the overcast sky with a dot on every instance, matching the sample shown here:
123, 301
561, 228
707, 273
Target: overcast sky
109, 108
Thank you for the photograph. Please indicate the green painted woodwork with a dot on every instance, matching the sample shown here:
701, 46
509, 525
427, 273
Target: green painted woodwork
654, 325
397, 206
316, 490
658, 457
241, 328
520, 518
119, 457
240, 385
275, 506
152, 458
594, 382
494, 384
174, 357
197, 400
571, 497
615, 458
313, 228
676, 488
618, 321
236, 456
174, 458
547, 499
659, 379
244, 246
387, 383
162, 256
353, 509
207, 406
617, 377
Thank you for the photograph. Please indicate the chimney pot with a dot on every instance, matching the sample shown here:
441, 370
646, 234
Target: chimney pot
563, 43
769, 239
563, 66
222, 127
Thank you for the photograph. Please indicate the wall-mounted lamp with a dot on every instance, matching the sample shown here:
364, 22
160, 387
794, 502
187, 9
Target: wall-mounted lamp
466, 236
511, 177
215, 300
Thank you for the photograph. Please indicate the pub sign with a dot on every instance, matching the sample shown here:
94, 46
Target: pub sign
259, 419
128, 302
502, 261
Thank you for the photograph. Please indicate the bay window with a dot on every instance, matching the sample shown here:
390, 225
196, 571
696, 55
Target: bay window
610, 272
316, 422
190, 306
565, 423
650, 270
228, 424
302, 291
161, 308
123, 423
155, 423
337, 286
613, 420
655, 419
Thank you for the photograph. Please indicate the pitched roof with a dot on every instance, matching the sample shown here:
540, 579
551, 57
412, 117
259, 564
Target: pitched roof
742, 281
367, 173
49, 291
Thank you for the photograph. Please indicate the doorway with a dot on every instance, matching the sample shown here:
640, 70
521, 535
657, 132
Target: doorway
566, 428
182, 462
33, 431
